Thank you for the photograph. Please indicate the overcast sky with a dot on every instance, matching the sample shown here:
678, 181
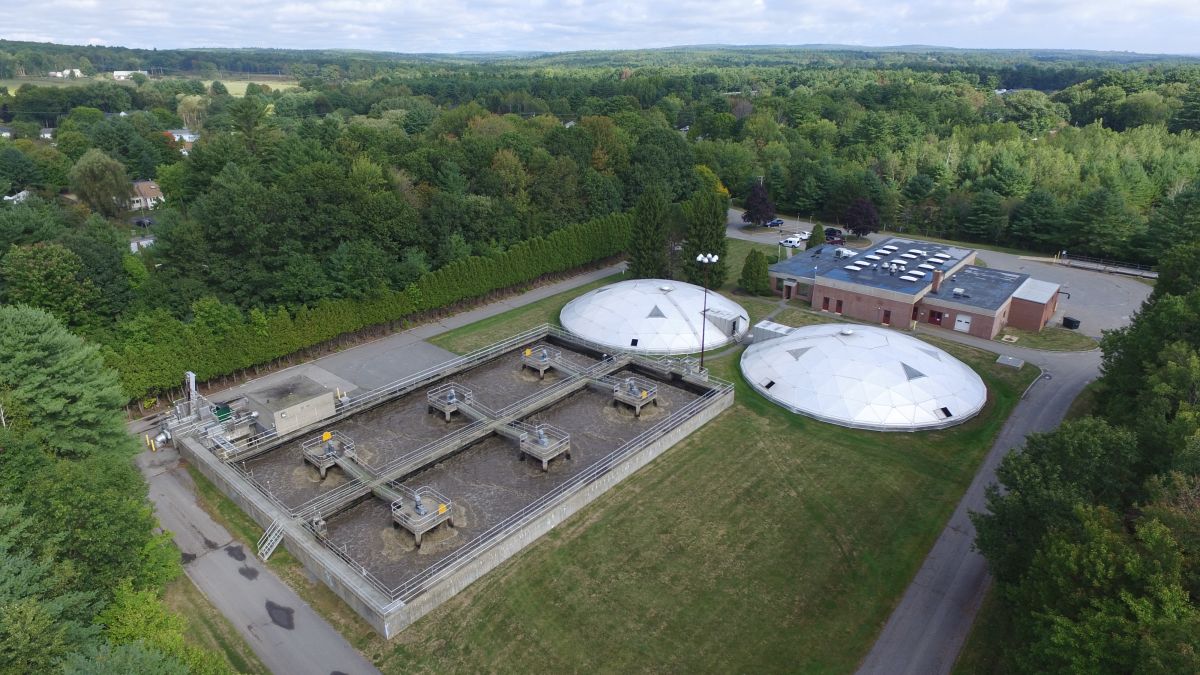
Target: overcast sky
1158, 26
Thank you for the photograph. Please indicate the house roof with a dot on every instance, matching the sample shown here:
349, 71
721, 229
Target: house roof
147, 189
1036, 290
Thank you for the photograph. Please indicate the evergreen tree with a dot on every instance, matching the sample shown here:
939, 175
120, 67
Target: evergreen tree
61, 385
986, 220
755, 279
648, 240
1188, 115
706, 234
759, 207
1037, 221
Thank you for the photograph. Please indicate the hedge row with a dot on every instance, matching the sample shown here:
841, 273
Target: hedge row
152, 351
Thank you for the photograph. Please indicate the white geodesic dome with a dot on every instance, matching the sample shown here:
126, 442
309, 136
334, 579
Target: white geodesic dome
655, 316
864, 377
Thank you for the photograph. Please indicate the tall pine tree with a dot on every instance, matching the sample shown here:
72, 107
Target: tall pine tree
648, 239
706, 234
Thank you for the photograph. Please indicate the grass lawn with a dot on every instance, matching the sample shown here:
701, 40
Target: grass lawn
1051, 339
736, 254
797, 316
764, 541
496, 328
208, 629
238, 87
991, 632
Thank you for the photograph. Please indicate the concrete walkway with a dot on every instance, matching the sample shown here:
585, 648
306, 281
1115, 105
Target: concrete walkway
927, 630
279, 626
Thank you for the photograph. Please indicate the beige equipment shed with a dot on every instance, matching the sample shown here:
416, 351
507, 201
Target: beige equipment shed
292, 404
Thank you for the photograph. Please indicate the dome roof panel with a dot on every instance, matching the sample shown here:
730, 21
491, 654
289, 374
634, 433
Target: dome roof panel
655, 316
865, 377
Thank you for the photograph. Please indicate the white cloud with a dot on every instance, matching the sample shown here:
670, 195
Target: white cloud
482, 25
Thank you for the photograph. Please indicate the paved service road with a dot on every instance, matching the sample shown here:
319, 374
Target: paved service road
281, 628
927, 629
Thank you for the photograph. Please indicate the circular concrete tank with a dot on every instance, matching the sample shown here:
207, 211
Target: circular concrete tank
864, 377
655, 316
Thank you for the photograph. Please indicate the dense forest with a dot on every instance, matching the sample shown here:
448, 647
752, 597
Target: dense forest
306, 212
382, 188
1094, 538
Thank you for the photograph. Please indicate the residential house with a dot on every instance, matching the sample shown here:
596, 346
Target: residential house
5, 132
47, 133
146, 195
126, 74
69, 72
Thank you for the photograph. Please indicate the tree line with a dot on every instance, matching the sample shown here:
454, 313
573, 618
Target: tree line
82, 571
1093, 535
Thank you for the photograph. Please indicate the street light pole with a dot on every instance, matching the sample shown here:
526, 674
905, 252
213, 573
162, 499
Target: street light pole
705, 259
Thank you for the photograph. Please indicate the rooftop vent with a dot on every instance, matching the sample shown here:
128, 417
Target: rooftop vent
847, 331
666, 288
960, 292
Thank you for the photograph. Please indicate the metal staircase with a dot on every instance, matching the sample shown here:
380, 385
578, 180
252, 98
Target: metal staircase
270, 540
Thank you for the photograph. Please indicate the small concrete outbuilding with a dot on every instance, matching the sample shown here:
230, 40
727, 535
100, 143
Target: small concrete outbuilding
292, 404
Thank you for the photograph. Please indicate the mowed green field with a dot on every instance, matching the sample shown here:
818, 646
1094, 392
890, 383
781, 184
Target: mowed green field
764, 541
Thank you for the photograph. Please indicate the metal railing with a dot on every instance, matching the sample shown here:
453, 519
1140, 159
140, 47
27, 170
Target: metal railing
1114, 265
314, 445
361, 402
418, 583
439, 507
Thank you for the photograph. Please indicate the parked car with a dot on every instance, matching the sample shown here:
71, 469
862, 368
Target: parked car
775, 223
804, 235
792, 242
832, 232
836, 240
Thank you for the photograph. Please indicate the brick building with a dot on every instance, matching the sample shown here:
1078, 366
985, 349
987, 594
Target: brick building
903, 282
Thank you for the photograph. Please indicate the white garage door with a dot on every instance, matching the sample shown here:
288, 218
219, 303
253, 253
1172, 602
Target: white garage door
962, 323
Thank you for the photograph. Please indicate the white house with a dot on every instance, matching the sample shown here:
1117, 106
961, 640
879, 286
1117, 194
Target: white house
47, 133
17, 198
69, 72
126, 74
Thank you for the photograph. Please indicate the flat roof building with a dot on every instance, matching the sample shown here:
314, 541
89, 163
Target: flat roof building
901, 282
